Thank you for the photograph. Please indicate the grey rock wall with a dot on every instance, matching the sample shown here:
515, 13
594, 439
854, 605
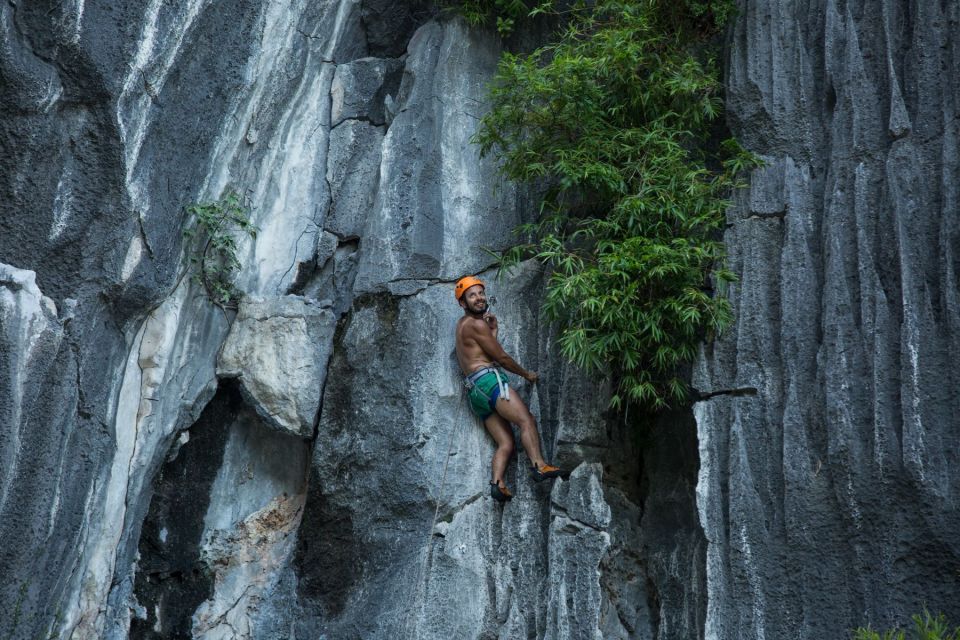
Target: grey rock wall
174, 469
304, 467
829, 497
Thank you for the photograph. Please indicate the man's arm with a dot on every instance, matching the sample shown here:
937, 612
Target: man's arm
483, 334
491, 321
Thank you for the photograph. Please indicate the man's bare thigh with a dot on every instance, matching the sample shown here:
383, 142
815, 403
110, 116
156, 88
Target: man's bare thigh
499, 428
513, 409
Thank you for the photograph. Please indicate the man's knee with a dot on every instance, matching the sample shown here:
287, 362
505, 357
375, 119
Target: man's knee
505, 447
527, 423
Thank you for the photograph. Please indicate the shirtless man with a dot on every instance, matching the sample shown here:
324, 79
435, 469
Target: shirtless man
481, 358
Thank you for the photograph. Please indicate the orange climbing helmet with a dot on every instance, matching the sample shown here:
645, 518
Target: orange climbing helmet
465, 283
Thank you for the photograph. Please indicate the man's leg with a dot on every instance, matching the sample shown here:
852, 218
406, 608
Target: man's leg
516, 412
503, 436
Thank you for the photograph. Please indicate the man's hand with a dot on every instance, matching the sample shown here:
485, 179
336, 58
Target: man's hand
491, 321
532, 377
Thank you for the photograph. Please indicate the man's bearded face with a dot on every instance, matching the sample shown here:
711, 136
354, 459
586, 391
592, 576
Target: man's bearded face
474, 299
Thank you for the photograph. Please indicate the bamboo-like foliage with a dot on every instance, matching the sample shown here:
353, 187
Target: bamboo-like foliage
613, 123
503, 14
925, 627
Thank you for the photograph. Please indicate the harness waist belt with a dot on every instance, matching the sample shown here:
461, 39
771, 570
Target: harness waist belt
472, 378
479, 373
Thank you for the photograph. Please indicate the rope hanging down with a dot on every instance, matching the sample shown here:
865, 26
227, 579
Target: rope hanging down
420, 595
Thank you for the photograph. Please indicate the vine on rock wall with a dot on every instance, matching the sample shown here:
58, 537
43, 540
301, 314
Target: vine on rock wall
613, 123
213, 245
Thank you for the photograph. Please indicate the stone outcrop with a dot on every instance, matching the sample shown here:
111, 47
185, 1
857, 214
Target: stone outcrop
277, 350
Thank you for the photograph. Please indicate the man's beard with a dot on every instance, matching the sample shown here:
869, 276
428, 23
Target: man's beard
479, 309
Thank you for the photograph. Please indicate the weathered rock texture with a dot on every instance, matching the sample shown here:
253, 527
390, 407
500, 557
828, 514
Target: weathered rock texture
304, 467
830, 497
278, 351
173, 469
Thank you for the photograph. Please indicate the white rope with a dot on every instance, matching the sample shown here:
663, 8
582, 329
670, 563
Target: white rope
422, 577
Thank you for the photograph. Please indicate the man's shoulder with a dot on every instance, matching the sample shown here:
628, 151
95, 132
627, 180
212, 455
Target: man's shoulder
472, 324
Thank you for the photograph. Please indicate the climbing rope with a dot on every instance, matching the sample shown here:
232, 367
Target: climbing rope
420, 596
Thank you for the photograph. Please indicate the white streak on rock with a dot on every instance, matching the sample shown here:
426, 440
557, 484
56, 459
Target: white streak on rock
62, 204
276, 42
289, 189
169, 363
71, 23
26, 316
132, 259
290, 221
85, 619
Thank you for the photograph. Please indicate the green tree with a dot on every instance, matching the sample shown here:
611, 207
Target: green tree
613, 124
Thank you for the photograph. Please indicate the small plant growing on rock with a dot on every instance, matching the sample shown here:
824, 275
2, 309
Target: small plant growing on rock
925, 627
212, 245
504, 14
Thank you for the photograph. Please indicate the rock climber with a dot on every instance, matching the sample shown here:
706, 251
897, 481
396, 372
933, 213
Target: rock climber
483, 361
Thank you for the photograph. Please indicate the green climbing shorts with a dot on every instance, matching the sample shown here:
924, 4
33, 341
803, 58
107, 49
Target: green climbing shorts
484, 390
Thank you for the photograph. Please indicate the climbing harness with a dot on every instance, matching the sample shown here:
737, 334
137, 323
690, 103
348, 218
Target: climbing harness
502, 385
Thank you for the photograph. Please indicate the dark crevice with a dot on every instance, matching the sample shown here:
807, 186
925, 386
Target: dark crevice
389, 25
672, 539
171, 580
311, 274
831, 99
448, 515
738, 392
654, 604
576, 525
143, 236
82, 411
776, 215
360, 118
299, 266
344, 238
327, 557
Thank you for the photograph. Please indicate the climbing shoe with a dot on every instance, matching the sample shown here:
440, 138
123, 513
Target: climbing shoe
500, 494
544, 472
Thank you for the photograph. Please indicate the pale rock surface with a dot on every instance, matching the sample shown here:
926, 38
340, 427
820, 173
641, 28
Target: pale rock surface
437, 204
277, 350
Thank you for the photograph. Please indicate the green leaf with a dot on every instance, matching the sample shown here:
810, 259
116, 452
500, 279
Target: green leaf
214, 227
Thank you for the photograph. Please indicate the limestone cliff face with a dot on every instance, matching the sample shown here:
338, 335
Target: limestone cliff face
829, 497
305, 467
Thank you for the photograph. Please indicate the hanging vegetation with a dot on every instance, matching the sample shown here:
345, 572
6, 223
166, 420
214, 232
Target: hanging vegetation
614, 123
